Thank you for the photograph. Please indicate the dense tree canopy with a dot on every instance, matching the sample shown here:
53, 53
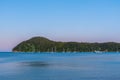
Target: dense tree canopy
41, 44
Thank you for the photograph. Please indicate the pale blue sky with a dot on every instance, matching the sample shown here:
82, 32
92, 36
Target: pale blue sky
60, 20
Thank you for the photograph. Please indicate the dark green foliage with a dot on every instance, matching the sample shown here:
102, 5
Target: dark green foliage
41, 44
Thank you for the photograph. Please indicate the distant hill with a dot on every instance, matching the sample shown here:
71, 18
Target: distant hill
42, 44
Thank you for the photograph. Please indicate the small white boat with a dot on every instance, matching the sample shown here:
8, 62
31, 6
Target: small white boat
98, 51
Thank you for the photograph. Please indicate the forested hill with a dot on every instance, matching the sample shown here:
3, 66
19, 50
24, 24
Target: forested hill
41, 44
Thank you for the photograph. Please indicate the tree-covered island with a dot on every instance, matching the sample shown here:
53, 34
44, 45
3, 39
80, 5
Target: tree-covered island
41, 44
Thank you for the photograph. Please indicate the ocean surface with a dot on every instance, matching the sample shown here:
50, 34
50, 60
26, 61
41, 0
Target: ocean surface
60, 66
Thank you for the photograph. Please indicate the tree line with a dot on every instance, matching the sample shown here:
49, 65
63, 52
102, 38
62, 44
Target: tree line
41, 44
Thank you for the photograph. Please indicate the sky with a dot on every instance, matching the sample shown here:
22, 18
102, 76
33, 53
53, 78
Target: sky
59, 20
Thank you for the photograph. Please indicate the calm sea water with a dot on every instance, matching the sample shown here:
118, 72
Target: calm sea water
59, 66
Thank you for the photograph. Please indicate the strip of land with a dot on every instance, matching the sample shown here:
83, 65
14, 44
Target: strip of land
42, 44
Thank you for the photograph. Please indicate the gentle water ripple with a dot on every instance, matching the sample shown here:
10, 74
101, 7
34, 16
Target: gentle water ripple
59, 66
